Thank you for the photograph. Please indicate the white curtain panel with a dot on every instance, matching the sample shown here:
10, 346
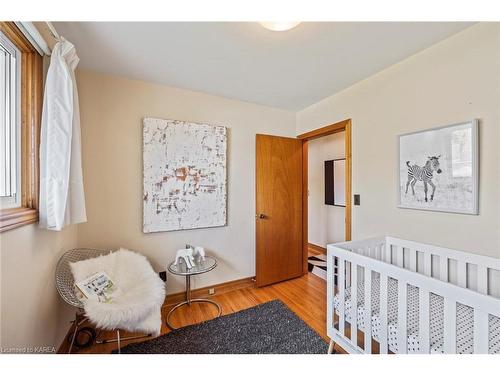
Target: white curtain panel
62, 200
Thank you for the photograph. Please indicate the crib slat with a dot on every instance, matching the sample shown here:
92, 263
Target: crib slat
450, 326
330, 271
387, 257
402, 306
368, 310
341, 281
482, 279
480, 332
427, 264
399, 256
423, 321
462, 274
354, 303
347, 274
443, 268
413, 260
383, 314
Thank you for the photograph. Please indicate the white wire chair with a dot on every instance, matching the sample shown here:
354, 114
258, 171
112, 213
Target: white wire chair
64, 277
65, 285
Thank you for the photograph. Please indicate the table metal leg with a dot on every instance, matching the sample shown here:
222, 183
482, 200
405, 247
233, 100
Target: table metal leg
188, 302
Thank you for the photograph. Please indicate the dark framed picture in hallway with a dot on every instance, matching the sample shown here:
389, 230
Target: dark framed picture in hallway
335, 182
438, 169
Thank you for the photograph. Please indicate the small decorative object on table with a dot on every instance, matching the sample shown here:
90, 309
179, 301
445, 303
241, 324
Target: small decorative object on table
204, 263
186, 255
199, 253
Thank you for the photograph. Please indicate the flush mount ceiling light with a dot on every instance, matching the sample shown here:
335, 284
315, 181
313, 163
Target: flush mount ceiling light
279, 26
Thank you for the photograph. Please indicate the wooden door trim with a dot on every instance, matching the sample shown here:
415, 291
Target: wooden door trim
326, 130
344, 125
305, 222
348, 185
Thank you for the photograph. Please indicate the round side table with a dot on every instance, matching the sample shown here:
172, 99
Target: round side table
201, 266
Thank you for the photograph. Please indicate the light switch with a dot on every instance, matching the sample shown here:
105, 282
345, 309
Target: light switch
357, 200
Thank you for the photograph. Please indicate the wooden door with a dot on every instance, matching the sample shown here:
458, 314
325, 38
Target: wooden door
278, 215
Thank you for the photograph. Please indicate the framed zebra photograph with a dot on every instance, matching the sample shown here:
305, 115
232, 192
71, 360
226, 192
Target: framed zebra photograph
438, 169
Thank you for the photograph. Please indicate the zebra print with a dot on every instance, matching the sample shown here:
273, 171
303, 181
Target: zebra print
420, 173
424, 174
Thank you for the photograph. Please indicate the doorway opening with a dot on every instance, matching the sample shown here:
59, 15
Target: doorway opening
327, 192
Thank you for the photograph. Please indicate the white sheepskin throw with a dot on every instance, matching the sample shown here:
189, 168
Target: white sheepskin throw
137, 301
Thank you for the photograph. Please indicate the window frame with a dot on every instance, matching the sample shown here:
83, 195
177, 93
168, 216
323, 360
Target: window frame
31, 114
15, 131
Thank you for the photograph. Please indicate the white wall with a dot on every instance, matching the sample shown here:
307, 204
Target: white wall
32, 314
453, 81
326, 223
112, 109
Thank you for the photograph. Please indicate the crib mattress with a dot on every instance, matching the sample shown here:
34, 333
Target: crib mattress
465, 319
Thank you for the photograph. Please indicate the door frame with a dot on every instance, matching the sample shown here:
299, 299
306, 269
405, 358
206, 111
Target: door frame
344, 125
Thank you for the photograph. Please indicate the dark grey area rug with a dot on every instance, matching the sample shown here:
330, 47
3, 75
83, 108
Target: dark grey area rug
269, 328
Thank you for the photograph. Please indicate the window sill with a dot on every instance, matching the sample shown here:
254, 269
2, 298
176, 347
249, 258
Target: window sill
11, 218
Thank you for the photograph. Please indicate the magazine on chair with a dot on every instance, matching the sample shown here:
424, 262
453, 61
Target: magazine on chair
97, 287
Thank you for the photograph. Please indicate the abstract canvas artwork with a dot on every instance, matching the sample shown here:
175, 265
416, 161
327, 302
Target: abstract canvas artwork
184, 175
438, 169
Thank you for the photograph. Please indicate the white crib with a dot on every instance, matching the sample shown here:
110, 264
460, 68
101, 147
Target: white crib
411, 298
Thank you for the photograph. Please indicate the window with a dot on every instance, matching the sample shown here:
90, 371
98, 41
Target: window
10, 124
20, 115
461, 152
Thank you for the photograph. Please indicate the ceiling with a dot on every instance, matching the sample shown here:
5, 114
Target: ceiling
242, 60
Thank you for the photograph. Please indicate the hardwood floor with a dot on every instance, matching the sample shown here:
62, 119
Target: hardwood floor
305, 296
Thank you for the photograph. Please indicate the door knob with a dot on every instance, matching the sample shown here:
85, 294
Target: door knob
261, 216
